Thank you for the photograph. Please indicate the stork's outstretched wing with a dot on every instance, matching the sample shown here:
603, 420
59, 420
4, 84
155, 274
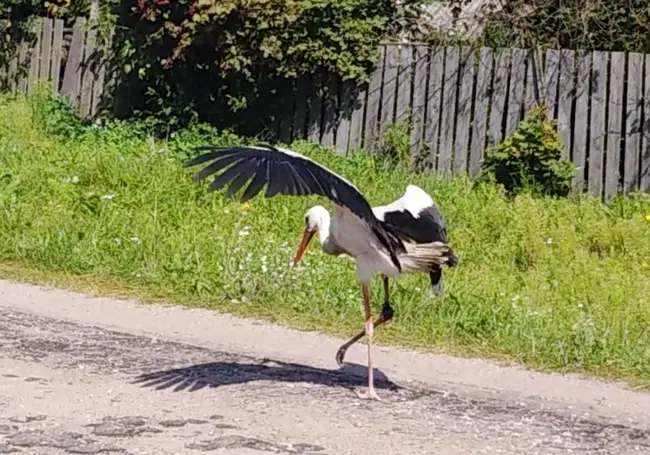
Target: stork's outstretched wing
289, 173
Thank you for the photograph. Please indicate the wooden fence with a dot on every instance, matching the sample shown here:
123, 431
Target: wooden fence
457, 102
67, 58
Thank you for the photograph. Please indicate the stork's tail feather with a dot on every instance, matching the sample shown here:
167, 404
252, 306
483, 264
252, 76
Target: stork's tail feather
424, 257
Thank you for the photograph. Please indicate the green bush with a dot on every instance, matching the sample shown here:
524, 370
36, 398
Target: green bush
531, 159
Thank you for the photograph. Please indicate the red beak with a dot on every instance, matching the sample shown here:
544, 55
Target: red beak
306, 238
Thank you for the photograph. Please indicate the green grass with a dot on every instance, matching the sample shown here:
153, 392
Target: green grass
553, 284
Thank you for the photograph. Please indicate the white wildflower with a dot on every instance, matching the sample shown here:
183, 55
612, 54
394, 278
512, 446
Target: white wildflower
108, 196
73, 179
118, 241
549, 241
264, 269
135, 240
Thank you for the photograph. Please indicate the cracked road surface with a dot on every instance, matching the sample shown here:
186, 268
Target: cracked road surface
81, 375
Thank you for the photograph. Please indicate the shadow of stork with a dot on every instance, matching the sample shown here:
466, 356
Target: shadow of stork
217, 374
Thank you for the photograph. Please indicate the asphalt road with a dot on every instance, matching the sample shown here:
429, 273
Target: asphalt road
96, 375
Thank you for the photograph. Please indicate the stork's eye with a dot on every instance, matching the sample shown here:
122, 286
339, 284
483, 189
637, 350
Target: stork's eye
306, 220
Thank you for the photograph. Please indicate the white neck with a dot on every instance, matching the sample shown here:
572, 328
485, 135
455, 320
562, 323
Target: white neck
324, 229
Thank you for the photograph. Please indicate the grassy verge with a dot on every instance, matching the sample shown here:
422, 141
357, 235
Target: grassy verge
553, 284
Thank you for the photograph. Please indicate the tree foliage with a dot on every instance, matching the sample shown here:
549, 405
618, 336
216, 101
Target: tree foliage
217, 57
606, 25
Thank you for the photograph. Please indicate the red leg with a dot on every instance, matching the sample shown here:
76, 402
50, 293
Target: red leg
370, 393
386, 315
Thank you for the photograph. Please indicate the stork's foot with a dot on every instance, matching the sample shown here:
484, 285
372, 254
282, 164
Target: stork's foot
368, 394
340, 354
387, 314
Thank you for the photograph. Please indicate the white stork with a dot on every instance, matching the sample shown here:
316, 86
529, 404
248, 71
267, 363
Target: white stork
407, 236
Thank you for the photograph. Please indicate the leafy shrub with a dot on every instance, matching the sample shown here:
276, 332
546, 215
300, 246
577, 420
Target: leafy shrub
54, 115
531, 159
395, 143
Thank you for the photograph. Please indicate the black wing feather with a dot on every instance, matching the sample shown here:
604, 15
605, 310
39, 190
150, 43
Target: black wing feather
255, 186
215, 166
289, 174
429, 226
222, 180
246, 171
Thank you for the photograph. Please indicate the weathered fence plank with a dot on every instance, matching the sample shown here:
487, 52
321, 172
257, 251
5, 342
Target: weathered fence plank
315, 116
72, 75
551, 75
634, 111
358, 97
614, 122
87, 76
597, 122
402, 108
516, 91
12, 72
22, 70
419, 100
285, 123
434, 100
344, 115
531, 96
580, 136
448, 114
300, 113
46, 50
481, 105
374, 98
330, 107
565, 100
389, 89
499, 94
462, 136
35, 58
57, 54
645, 132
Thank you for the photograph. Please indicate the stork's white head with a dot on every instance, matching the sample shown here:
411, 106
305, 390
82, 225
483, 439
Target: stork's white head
316, 219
